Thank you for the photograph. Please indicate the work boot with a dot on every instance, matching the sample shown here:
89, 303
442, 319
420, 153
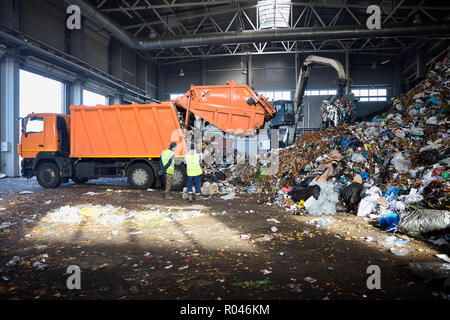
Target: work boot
190, 198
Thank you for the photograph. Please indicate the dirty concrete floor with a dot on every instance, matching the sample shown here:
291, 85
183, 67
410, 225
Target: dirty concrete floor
201, 257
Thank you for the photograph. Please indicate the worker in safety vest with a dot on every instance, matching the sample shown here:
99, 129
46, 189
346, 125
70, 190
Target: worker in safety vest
167, 161
194, 172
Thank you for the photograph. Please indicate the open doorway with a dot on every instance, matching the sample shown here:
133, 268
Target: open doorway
39, 94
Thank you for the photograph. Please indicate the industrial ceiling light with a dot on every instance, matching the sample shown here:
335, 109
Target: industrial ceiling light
385, 61
274, 13
181, 73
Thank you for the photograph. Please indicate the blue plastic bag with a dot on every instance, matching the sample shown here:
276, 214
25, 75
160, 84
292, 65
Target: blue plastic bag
433, 100
390, 221
391, 193
345, 143
364, 175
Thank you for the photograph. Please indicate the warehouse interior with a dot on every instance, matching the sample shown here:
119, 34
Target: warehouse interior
95, 59
140, 51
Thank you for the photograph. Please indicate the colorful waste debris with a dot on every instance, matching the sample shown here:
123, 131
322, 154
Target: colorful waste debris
385, 168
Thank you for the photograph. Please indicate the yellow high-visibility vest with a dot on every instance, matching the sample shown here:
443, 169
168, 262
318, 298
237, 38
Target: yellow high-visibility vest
165, 157
193, 168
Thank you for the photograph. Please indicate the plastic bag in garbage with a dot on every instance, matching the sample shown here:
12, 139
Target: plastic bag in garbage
229, 196
424, 220
369, 202
401, 164
358, 157
413, 196
390, 221
351, 195
326, 203
430, 157
391, 193
432, 120
304, 193
431, 270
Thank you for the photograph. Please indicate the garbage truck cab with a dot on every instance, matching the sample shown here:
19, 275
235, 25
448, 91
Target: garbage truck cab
45, 137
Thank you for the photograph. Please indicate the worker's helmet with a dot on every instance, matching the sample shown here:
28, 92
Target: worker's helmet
173, 145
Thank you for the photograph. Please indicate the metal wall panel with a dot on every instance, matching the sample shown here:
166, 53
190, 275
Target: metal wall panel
95, 46
44, 22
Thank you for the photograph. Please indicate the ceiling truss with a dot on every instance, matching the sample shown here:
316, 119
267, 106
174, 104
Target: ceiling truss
154, 19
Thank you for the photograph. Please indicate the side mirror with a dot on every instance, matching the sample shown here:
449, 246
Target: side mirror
22, 124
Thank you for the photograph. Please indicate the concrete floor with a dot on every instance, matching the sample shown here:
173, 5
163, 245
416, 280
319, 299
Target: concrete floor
203, 253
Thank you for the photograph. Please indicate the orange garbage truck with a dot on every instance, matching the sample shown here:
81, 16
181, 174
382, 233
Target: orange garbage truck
127, 140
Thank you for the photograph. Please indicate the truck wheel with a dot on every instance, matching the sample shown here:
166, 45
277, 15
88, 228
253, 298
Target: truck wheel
48, 175
140, 176
179, 178
80, 180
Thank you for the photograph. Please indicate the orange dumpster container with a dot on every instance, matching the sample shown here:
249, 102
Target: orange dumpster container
233, 108
125, 131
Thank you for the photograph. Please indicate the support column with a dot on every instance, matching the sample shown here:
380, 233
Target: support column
9, 112
117, 99
76, 93
296, 72
420, 66
347, 71
250, 71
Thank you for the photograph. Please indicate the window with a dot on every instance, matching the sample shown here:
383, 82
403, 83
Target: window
274, 13
92, 99
175, 95
372, 95
39, 94
35, 125
322, 92
276, 95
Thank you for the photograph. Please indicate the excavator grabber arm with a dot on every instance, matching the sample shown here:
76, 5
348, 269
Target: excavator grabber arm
303, 79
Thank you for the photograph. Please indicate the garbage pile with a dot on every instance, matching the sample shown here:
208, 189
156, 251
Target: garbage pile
394, 167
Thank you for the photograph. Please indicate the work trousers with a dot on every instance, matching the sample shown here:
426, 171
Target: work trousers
169, 180
197, 181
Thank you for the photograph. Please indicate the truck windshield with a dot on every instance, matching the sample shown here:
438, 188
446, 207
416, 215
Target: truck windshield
35, 125
289, 107
284, 107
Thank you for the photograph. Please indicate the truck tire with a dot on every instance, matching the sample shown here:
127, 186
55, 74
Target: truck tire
140, 176
179, 178
48, 175
79, 180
